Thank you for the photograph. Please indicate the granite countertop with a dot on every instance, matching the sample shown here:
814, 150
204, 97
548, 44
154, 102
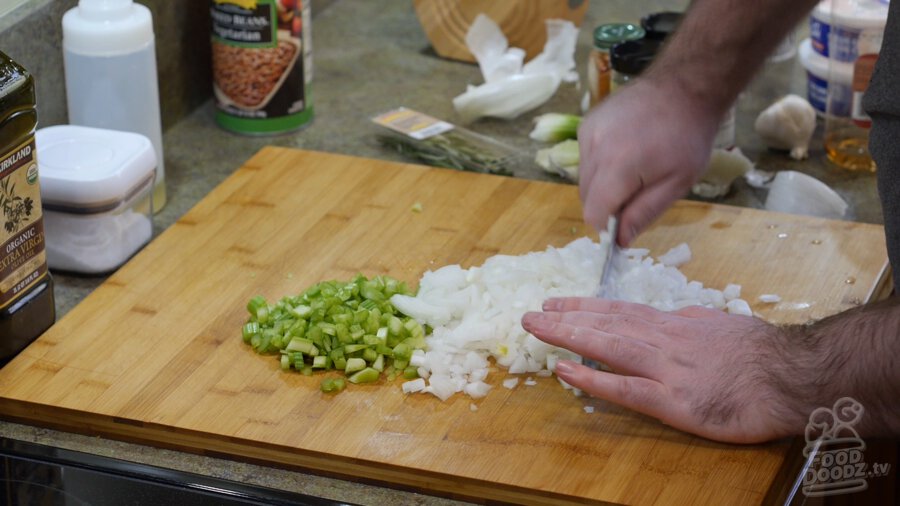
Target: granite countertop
370, 57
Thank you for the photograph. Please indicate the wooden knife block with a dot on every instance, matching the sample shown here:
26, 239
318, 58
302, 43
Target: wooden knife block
446, 22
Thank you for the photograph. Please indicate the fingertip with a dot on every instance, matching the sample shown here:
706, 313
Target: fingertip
552, 304
565, 368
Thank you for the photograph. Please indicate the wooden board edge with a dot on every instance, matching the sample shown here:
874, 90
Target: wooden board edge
884, 285
159, 436
787, 474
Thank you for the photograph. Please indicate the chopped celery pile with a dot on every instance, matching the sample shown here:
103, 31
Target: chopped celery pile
346, 326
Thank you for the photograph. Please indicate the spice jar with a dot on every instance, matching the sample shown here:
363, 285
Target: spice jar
630, 58
659, 25
598, 67
96, 192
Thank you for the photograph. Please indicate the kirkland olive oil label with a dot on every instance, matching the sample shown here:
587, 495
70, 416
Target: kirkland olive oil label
22, 257
261, 64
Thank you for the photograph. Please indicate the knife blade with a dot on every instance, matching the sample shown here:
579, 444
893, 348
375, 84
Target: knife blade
604, 290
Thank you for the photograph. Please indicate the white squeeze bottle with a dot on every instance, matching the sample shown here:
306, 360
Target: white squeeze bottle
110, 67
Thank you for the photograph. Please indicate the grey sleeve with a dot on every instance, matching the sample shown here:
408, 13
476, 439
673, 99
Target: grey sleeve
882, 103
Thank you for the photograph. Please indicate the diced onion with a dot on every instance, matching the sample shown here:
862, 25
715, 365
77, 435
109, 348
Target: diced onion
475, 314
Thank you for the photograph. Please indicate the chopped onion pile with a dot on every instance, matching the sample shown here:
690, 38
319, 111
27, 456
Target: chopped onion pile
476, 313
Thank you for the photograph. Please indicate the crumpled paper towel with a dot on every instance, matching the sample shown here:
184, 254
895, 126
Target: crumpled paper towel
511, 86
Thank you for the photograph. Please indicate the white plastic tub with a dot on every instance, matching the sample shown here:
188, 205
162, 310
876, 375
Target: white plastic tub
835, 26
818, 82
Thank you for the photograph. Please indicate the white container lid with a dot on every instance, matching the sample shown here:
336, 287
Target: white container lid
817, 64
91, 169
858, 14
107, 27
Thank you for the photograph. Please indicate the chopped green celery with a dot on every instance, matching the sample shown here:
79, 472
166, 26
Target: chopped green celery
249, 330
340, 384
372, 323
414, 328
367, 375
262, 314
391, 376
336, 325
327, 386
370, 291
402, 351
302, 345
354, 364
353, 348
360, 316
302, 311
314, 333
378, 364
417, 343
298, 329
410, 373
343, 333
256, 303
344, 319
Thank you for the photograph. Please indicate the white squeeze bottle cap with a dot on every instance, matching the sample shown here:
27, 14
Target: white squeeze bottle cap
107, 27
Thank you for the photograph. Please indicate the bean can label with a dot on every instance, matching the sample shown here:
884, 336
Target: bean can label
262, 64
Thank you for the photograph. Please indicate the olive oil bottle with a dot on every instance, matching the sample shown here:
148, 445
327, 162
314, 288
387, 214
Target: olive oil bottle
26, 289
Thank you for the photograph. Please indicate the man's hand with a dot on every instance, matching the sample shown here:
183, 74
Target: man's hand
697, 369
640, 150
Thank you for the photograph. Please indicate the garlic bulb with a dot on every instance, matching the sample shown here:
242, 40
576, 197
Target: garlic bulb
788, 124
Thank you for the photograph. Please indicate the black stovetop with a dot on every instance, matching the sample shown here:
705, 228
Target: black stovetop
39, 475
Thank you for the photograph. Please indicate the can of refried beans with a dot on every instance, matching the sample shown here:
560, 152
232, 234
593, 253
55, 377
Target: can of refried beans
262, 65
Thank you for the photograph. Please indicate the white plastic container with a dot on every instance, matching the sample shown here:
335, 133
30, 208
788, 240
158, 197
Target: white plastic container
818, 81
835, 26
111, 79
96, 188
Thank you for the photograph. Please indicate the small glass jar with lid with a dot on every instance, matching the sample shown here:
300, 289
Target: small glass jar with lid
629, 59
659, 25
599, 70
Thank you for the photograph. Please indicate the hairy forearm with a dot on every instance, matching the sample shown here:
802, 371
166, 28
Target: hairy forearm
720, 44
852, 354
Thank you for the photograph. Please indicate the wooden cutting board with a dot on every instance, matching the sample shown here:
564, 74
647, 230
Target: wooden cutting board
155, 355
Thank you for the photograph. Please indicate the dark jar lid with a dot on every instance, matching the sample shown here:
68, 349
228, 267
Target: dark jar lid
660, 25
608, 35
634, 56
